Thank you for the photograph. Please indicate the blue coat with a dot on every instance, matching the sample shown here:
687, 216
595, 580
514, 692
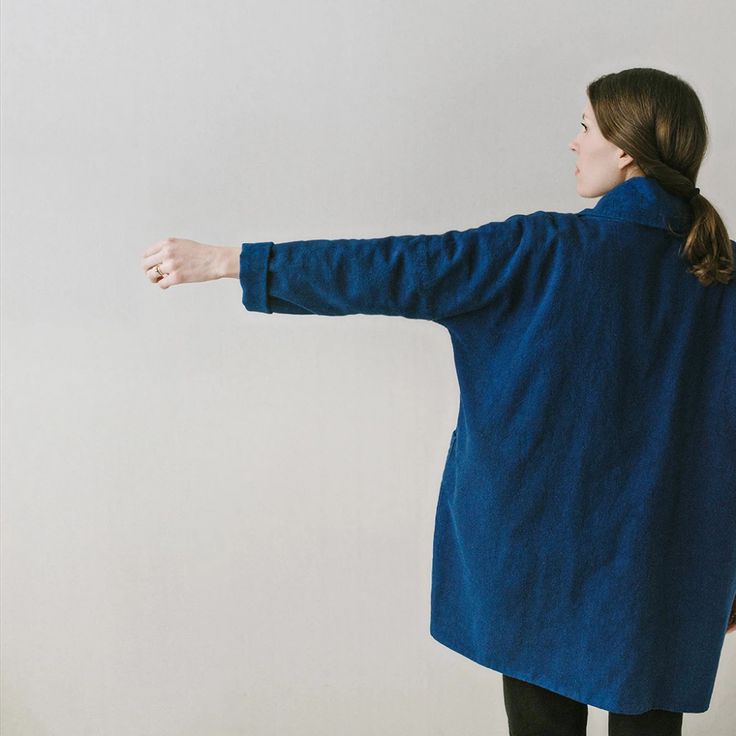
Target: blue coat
585, 532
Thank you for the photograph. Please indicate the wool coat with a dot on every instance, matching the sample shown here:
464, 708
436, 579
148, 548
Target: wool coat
585, 529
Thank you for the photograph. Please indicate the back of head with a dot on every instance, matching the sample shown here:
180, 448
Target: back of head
658, 120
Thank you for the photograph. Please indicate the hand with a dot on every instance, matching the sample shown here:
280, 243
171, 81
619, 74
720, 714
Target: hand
182, 262
732, 618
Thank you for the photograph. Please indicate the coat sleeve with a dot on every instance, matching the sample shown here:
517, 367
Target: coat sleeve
415, 276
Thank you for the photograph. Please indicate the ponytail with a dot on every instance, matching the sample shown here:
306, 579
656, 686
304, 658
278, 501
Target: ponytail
707, 246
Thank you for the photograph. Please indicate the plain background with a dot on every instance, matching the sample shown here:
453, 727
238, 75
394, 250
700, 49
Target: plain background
218, 522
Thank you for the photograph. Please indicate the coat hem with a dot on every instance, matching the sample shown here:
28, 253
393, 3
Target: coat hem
568, 692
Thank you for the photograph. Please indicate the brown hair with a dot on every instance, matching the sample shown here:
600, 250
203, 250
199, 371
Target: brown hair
658, 120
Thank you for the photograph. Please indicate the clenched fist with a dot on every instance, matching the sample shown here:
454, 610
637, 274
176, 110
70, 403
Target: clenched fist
179, 261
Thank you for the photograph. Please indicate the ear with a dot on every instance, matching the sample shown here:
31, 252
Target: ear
624, 159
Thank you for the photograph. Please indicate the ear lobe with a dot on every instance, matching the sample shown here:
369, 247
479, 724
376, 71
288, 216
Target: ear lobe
624, 159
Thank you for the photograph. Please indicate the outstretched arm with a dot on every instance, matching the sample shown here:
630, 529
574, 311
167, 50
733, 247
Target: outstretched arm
415, 276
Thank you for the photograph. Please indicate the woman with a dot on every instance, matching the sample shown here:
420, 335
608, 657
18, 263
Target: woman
585, 532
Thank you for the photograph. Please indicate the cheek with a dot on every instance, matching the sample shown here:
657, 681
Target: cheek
592, 151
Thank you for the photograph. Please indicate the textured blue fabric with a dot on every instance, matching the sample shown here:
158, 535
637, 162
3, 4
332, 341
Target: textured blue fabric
585, 532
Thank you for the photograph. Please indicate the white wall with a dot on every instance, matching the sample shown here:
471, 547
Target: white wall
218, 522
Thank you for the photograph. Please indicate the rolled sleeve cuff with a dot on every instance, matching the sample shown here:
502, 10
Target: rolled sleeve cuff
254, 275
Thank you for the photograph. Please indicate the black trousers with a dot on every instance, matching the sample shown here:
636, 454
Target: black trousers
535, 711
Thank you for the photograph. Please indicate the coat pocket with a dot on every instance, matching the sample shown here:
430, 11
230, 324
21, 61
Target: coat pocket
448, 472
452, 444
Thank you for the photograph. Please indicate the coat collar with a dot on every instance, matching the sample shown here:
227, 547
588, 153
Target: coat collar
644, 200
